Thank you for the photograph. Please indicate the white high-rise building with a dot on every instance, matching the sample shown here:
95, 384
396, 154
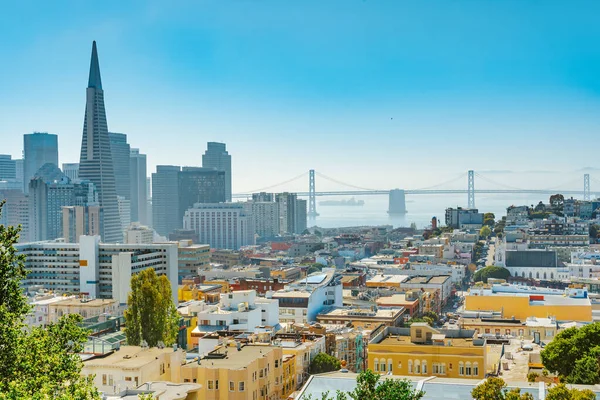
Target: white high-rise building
138, 234
221, 225
99, 270
96, 163
124, 206
266, 217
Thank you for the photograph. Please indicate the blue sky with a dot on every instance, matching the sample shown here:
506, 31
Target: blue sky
379, 93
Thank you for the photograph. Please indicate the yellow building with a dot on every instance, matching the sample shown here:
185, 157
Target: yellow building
247, 372
425, 351
289, 376
87, 308
286, 273
522, 303
304, 347
133, 365
209, 293
225, 287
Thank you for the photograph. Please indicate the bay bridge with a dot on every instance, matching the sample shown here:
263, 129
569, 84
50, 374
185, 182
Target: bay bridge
397, 197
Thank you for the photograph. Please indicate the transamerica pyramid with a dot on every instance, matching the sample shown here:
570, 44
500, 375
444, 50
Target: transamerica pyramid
96, 162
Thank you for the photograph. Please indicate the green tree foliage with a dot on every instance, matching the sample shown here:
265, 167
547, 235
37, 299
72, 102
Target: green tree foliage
489, 219
574, 354
323, 362
594, 231
491, 272
561, 392
495, 389
369, 385
485, 232
151, 314
36, 363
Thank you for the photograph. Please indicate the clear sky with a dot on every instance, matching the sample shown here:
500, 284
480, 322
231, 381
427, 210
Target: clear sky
380, 93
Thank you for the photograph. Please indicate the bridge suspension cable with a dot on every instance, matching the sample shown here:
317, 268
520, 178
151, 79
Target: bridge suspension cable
573, 181
304, 174
340, 182
461, 176
497, 183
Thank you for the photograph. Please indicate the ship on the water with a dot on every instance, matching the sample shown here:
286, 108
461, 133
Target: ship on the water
352, 203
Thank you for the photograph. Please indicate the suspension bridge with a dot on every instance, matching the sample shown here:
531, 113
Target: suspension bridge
397, 197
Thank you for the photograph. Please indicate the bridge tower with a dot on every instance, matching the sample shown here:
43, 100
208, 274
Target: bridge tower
312, 198
586, 187
471, 189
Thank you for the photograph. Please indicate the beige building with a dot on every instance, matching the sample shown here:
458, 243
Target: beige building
131, 366
192, 257
87, 308
80, 220
546, 328
138, 234
366, 318
242, 372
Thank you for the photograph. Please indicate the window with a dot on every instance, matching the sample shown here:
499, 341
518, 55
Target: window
435, 369
276, 363
419, 333
262, 374
382, 365
376, 364
104, 379
549, 333
468, 369
276, 380
217, 384
461, 368
443, 369
450, 366
399, 365
424, 366
241, 386
521, 332
475, 369
110, 380
390, 365
417, 367
231, 386
507, 331
410, 367
210, 385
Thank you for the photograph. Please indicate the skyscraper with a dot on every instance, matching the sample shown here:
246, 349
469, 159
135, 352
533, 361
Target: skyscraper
139, 187
38, 149
200, 185
8, 168
287, 211
96, 164
165, 199
217, 157
119, 151
301, 216
71, 170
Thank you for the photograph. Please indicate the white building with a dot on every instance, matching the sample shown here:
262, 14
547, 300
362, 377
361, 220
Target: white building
239, 310
457, 272
301, 301
266, 217
138, 234
124, 207
535, 264
98, 270
221, 225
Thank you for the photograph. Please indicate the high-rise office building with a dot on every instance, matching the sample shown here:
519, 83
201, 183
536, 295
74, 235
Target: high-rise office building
96, 164
120, 151
19, 170
165, 199
287, 212
124, 206
80, 220
38, 149
139, 189
16, 211
200, 185
263, 196
149, 202
301, 216
71, 170
222, 225
217, 157
8, 168
266, 217
47, 199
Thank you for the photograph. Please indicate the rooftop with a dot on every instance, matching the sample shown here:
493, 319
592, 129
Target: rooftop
86, 302
128, 357
388, 279
399, 298
362, 313
235, 359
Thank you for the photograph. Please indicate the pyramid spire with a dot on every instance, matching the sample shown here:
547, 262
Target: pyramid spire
95, 81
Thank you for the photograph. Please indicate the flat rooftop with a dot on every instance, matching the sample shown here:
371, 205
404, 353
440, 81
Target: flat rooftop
428, 279
387, 279
128, 357
86, 303
394, 340
363, 313
235, 359
399, 298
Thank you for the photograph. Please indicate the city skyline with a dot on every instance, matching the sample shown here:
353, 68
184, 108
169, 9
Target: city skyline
381, 87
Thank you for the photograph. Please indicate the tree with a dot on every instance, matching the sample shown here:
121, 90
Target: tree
495, 389
541, 207
489, 219
557, 202
485, 232
561, 392
37, 363
323, 362
491, 272
574, 354
369, 385
594, 231
151, 315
